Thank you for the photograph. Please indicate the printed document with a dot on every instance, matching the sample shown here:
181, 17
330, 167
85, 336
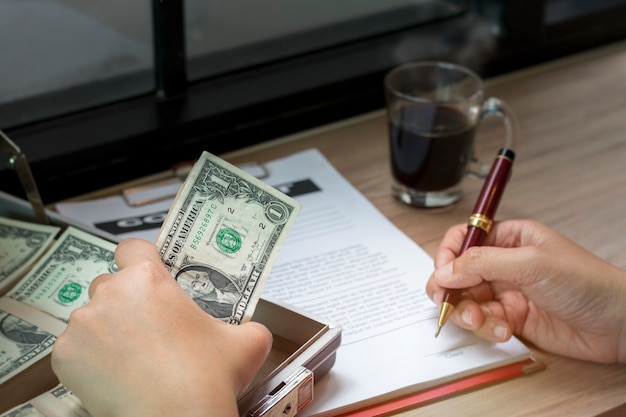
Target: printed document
344, 261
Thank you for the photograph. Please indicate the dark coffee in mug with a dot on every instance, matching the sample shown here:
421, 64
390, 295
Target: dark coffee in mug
430, 146
433, 110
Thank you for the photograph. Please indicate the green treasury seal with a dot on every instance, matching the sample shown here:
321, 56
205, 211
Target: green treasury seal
70, 292
228, 240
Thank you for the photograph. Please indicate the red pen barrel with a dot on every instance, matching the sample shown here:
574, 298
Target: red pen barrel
481, 220
493, 188
474, 237
488, 200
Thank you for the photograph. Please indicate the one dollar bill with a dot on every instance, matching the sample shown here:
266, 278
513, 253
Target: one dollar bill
21, 244
59, 282
222, 235
22, 343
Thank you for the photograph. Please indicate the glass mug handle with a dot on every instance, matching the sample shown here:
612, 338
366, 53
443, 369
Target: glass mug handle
494, 107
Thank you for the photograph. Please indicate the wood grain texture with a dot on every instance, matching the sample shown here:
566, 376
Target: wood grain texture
569, 173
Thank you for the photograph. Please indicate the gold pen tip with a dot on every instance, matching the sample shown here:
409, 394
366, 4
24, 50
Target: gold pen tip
444, 314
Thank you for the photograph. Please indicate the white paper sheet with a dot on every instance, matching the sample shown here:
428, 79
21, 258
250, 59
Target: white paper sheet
345, 261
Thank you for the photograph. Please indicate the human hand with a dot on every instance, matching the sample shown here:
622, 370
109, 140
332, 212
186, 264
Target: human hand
142, 347
530, 281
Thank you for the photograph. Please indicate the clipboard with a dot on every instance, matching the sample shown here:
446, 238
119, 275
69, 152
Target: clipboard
164, 189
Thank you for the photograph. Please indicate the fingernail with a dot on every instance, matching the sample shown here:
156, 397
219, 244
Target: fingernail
466, 317
500, 332
437, 297
444, 272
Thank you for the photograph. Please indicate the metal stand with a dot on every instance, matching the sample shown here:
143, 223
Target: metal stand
17, 161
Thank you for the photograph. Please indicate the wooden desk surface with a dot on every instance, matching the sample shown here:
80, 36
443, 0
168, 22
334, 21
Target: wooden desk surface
569, 173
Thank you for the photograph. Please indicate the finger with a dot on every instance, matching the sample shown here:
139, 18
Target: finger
129, 250
96, 282
521, 233
450, 244
494, 329
479, 319
516, 265
126, 252
511, 233
256, 343
468, 315
507, 234
433, 290
259, 339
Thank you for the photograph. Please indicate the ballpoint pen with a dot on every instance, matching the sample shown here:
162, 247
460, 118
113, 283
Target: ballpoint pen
480, 221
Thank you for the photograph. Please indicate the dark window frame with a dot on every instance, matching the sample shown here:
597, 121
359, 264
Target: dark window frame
99, 147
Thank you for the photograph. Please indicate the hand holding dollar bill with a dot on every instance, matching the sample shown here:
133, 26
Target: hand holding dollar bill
219, 241
222, 235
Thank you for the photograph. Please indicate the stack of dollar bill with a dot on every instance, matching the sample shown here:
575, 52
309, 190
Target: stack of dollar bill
37, 308
219, 241
21, 244
58, 402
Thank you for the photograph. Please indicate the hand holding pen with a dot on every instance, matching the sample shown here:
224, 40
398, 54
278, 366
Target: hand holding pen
480, 221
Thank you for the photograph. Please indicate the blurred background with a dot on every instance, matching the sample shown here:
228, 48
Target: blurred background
100, 92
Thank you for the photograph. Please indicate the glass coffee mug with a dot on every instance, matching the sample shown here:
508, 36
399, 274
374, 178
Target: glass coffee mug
433, 109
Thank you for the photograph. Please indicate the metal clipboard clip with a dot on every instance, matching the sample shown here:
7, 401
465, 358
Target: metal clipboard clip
288, 398
168, 188
17, 161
